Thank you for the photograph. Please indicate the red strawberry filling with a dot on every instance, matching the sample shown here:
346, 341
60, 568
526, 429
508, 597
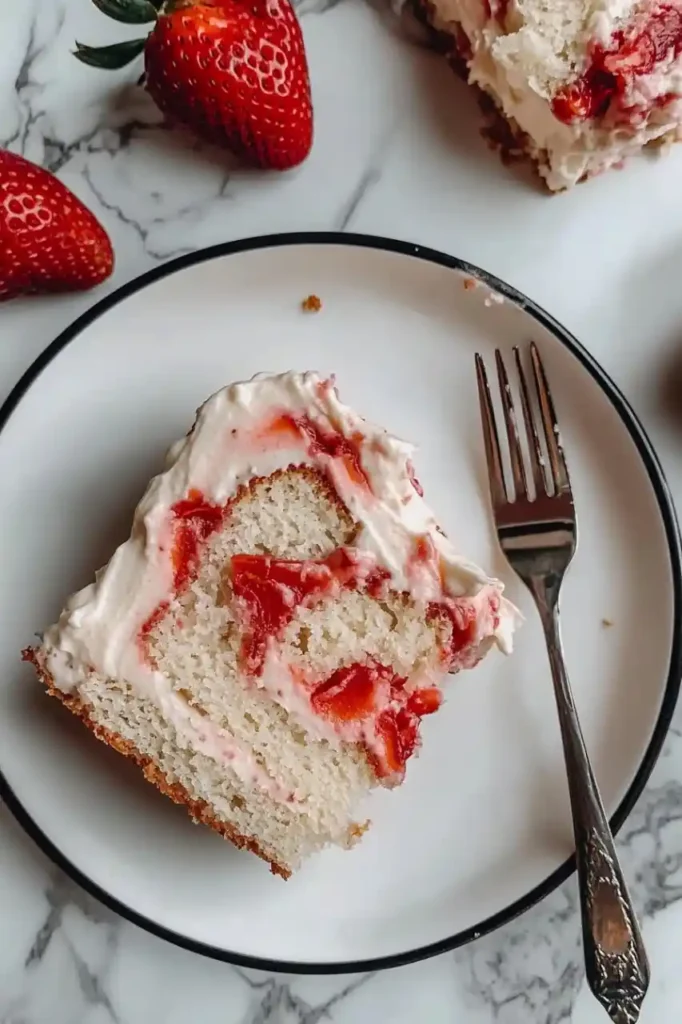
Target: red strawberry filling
317, 442
424, 702
370, 695
398, 731
146, 629
633, 52
195, 519
350, 693
399, 735
376, 697
462, 618
271, 590
367, 703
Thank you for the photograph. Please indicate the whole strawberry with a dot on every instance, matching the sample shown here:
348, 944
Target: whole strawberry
49, 241
233, 71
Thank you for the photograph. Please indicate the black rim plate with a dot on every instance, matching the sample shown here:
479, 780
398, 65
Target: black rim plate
668, 516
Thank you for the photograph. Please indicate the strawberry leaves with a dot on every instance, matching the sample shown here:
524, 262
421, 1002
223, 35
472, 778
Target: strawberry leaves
130, 12
110, 58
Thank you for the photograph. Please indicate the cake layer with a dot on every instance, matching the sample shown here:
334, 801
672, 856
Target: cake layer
211, 791
583, 84
279, 622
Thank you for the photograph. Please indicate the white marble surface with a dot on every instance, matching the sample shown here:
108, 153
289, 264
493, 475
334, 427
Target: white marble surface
397, 152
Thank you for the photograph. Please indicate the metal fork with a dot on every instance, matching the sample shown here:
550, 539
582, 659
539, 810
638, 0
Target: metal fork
538, 533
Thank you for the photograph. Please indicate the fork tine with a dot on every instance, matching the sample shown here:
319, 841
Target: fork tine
490, 438
516, 458
557, 461
536, 459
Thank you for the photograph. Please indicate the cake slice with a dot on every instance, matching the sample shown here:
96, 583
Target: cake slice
283, 615
576, 85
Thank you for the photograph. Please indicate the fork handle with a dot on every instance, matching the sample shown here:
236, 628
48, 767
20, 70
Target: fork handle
616, 964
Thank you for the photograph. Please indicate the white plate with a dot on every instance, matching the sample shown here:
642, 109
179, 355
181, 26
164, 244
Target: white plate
481, 827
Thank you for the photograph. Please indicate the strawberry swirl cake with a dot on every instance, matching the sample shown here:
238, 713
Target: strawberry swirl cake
283, 615
576, 85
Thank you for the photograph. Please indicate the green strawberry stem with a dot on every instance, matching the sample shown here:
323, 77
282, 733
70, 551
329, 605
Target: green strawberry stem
110, 58
131, 12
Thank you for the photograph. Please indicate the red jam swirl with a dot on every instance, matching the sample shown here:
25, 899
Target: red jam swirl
147, 627
271, 590
331, 443
633, 52
349, 694
194, 520
373, 694
461, 615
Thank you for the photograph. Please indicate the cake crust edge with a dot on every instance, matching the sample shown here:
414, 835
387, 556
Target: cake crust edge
199, 810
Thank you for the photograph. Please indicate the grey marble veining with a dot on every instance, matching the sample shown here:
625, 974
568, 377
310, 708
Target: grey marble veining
397, 152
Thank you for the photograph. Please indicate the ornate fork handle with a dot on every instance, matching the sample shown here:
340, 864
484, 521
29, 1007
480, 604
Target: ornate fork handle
616, 963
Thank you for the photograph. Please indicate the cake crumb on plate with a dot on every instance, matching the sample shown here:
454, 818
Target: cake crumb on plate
311, 304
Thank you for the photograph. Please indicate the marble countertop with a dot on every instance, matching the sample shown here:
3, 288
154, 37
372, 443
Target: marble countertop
398, 153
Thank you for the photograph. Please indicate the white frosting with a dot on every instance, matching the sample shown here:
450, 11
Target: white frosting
522, 70
232, 442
